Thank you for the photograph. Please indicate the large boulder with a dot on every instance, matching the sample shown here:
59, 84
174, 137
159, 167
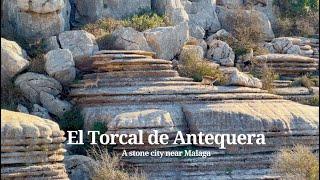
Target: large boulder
13, 60
81, 43
31, 84
129, 39
54, 105
79, 167
227, 24
238, 78
220, 52
40, 111
202, 17
123, 8
33, 20
167, 41
172, 9
60, 65
86, 11
193, 50
283, 45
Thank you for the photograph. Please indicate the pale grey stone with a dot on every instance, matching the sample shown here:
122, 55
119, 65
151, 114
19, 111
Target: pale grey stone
129, 39
54, 105
79, 167
81, 43
238, 78
60, 65
123, 8
41, 6
31, 84
191, 50
40, 111
221, 52
13, 59
22, 108
167, 41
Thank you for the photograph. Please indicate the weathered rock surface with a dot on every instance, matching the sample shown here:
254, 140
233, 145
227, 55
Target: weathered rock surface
239, 78
167, 42
50, 44
86, 12
129, 39
42, 158
60, 65
202, 17
21, 108
81, 43
221, 53
130, 97
79, 167
173, 9
31, 84
288, 64
13, 60
40, 111
34, 20
191, 51
54, 105
123, 8
223, 14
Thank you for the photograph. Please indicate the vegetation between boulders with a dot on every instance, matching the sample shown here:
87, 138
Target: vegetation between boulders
297, 163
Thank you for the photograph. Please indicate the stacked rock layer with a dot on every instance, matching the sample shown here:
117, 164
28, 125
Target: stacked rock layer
289, 64
130, 91
31, 147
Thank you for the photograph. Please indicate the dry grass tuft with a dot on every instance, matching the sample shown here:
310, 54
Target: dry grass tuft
298, 162
109, 167
194, 67
11, 96
303, 81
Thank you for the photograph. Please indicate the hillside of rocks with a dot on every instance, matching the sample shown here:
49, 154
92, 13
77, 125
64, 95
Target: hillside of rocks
118, 66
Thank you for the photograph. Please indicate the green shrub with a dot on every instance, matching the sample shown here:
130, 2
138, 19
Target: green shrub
314, 101
193, 67
146, 21
99, 126
296, 7
298, 162
72, 120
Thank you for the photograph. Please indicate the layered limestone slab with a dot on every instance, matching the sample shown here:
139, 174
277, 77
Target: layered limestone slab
138, 52
268, 117
31, 147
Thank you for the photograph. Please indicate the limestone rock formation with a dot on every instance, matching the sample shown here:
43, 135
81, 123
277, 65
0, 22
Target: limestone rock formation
238, 78
50, 44
288, 64
173, 9
79, 167
13, 60
54, 105
81, 43
202, 17
31, 84
34, 20
134, 91
123, 8
223, 14
22, 108
167, 42
191, 50
60, 65
129, 39
221, 53
85, 12
40, 111
31, 147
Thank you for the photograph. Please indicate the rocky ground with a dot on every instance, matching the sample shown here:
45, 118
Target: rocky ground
120, 78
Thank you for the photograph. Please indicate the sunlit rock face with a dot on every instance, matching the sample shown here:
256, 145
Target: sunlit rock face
33, 21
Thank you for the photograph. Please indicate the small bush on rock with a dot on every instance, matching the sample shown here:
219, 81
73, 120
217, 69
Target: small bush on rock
196, 68
247, 30
146, 21
109, 167
298, 163
72, 120
102, 30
